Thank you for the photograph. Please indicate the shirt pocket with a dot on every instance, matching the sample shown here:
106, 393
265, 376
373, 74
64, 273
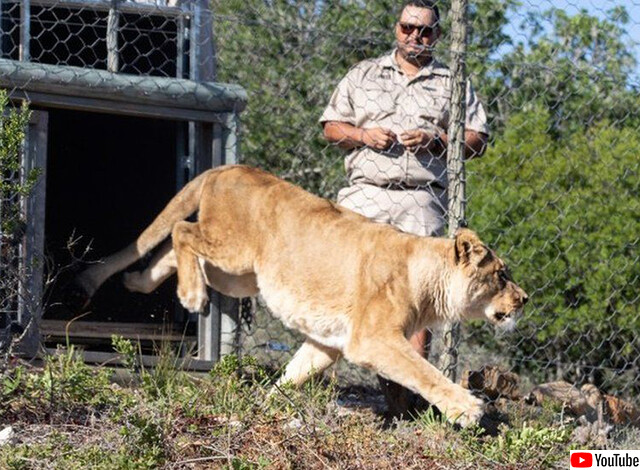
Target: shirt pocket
375, 103
433, 107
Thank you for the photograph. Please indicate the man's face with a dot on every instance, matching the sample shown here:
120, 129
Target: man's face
416, 32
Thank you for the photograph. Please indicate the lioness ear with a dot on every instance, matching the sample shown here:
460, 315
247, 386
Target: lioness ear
468, 247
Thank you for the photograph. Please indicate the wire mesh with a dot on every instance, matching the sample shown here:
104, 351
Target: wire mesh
9, 259
557, 193
137, 72
15, 183
85, 34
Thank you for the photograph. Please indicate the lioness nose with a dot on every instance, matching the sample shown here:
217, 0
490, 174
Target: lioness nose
525, 298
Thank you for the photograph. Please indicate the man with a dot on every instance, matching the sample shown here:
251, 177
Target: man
392, 114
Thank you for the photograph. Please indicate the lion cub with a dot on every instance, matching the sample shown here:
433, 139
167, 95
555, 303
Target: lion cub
354, 287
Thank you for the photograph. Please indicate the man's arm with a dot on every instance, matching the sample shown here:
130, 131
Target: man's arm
475, 142
348, 136
343, 134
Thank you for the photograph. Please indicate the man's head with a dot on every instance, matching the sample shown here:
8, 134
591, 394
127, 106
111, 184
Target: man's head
418, 30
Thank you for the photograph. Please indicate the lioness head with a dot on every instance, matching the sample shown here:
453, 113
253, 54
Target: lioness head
490, 291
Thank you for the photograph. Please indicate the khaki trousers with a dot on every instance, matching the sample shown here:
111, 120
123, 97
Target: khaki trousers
418, 211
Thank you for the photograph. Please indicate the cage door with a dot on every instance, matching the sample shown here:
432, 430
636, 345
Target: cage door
32, 248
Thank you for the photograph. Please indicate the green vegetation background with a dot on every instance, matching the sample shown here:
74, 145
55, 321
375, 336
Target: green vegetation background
557, 191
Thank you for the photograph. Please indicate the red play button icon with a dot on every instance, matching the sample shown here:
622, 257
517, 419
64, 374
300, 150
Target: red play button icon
581, 460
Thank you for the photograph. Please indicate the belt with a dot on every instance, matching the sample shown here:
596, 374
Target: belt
411, 187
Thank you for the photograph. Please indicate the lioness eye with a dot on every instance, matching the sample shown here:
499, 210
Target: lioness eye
502, 278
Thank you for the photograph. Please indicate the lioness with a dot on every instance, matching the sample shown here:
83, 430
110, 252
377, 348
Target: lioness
354, 287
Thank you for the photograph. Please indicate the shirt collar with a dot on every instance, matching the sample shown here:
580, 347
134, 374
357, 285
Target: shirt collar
434, 67
389, 60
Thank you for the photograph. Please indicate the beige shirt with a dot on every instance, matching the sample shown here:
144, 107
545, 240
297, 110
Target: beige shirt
376, 93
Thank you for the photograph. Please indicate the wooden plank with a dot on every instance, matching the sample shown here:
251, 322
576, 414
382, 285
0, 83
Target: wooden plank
193, 42
229, 307
115, 359
180, 45
104, 330
206, 55
209, 331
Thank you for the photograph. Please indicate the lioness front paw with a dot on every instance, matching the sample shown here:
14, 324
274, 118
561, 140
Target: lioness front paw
194, 301
464, 409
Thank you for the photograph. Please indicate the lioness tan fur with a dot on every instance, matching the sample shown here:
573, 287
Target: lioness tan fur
353, 287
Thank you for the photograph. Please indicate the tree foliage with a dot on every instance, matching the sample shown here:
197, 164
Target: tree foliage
557, 193
576, 66
289, 55
13, 185
567, 213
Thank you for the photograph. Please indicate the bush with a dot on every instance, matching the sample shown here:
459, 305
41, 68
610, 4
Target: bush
568, 211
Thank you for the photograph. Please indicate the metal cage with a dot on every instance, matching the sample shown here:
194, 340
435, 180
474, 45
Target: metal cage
152, 61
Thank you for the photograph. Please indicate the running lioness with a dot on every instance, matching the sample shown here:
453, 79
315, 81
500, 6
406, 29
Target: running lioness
354, 287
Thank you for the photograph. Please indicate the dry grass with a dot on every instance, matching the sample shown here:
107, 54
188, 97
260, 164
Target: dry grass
67, 415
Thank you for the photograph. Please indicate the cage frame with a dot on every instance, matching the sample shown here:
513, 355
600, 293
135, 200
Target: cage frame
211, 110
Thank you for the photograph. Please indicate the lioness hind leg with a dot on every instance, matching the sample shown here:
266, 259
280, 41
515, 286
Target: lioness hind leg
192, 290
94, 276
162, 266
393, 358
311, 359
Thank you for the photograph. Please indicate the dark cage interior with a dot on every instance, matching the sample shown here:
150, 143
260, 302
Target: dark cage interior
107, 178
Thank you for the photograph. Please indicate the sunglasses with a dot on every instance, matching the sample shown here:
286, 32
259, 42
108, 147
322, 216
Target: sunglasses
424, 31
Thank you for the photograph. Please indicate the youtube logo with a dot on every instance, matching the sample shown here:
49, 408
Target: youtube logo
581, 460
605, 459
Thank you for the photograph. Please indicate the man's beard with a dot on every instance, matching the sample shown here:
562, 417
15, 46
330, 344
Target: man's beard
415, 52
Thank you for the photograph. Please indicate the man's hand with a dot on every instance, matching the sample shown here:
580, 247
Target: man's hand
378, 138
417, 140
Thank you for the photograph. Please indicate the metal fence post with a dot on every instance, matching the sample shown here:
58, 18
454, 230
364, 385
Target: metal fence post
455, 162
30, 273
230, 307
25, 30
113, 26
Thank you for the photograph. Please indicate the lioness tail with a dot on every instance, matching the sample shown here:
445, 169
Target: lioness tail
179, 208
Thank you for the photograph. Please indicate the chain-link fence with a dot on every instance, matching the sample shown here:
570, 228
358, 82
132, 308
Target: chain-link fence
12, 126
117, 89
141, 38
556, 194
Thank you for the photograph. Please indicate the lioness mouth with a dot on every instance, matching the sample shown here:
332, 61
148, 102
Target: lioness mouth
500, 316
